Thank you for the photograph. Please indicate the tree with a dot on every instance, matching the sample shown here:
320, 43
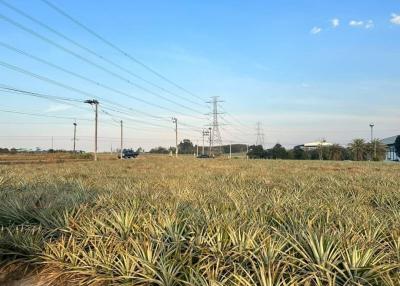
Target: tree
336, 152
298, 153
358, 149
256, 152
159, 150
279, 152
397, 146
186, 147
377, 150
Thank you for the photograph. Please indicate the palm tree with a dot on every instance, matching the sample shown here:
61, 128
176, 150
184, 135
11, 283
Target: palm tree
335, 152
358, 148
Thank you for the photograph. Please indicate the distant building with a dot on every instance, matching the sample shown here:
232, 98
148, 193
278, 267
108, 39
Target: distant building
314, 145
391, 152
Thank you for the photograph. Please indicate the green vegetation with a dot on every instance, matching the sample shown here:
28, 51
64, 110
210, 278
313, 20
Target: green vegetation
184, 221
358, 150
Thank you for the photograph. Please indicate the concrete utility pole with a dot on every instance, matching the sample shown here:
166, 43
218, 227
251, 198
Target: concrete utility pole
122, 138
52, 143
230, 150
247, 151
96, 105
210, 133
75, 136
204, 133
175, 120
197, 148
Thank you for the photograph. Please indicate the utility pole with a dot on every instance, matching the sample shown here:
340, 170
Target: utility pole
175, 120
210, 133
96, 105
247, 151
75, 136
230, 150
122, 139
204, 133
197, 148
52, 143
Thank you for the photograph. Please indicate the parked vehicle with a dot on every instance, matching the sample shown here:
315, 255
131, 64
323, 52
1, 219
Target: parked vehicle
128, 154
203, 156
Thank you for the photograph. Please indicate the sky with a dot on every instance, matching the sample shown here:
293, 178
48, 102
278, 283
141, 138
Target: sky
306, 70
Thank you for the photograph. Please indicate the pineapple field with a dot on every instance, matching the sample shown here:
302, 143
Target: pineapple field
183, 221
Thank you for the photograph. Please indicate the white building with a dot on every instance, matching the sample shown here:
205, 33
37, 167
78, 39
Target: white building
316, 145
391, 150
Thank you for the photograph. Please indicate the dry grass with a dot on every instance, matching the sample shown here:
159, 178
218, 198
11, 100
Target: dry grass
23, 158
167, 221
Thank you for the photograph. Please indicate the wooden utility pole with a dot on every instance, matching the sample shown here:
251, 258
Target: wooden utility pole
75, 137
96, 105
175, 120
122, 139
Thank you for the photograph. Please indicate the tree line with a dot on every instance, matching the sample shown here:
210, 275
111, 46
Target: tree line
357, 150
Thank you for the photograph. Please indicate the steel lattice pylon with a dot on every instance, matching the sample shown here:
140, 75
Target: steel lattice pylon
216, 139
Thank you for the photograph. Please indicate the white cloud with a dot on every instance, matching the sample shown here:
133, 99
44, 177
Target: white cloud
305, 85
370, 24
316, 30
57, 108
395, 19
335, 22
362, 24
355, 23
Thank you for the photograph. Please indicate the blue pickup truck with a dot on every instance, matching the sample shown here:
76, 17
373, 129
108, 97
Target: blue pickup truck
127, 154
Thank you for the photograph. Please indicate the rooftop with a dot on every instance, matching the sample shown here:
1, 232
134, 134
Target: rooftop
389, 140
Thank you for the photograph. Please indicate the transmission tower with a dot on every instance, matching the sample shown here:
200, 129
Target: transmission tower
260, 135
216, 139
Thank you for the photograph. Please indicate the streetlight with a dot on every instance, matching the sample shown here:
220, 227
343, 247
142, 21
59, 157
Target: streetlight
372, 137
372, 131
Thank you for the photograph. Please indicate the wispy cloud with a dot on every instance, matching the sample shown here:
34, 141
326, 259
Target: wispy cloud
335, 22
355, 23
370, 24
395, 19
316, 30
57, 108
362, 24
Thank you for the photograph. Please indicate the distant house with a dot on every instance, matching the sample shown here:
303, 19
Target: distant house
391, 152
314, 145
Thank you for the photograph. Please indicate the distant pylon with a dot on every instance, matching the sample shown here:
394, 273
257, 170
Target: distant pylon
260, 135
216, 139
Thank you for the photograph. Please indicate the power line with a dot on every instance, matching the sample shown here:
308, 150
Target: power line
124, 53
57, 83
90, 51
42, 115
14, 90
51, 42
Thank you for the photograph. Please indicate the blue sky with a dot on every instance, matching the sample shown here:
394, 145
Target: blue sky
306, 69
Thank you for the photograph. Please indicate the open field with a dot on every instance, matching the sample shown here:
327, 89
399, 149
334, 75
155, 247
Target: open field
26, 158
181, 221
